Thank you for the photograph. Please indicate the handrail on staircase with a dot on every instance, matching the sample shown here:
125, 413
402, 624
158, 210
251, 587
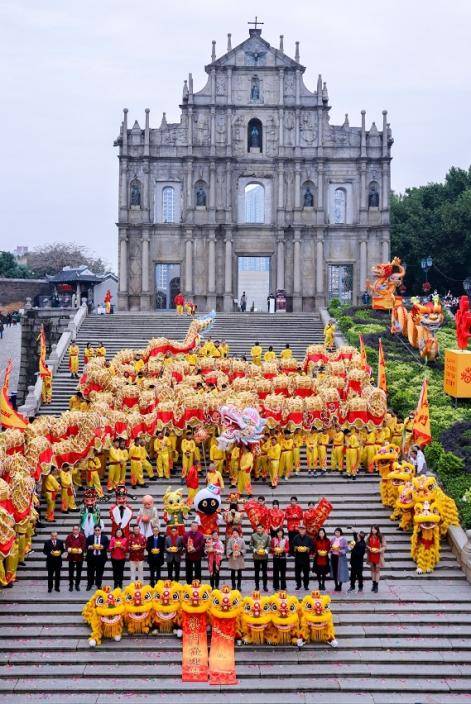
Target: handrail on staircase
32, 402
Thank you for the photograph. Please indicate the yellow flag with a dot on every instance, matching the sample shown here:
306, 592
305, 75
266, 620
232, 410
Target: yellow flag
364, 361
9, 418
381, 368
421, 433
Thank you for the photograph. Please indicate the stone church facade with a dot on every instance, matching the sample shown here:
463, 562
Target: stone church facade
253, 190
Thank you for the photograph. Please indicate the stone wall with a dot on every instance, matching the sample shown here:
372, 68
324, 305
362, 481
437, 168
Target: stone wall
18, 290
55, 321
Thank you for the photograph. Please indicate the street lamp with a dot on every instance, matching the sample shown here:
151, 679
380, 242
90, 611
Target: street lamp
426, 264
467, 287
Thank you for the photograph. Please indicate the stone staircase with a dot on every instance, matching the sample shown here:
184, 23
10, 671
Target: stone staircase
136, 329
410, 643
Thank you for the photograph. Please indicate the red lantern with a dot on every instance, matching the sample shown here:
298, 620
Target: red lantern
65, 288
426, 287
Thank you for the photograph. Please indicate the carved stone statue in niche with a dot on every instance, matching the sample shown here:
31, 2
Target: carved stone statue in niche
255, 89
200, 196
255, 137
135, 193
308, 198
373, 196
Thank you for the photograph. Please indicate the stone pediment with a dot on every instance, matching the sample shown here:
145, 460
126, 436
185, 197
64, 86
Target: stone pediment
255, 52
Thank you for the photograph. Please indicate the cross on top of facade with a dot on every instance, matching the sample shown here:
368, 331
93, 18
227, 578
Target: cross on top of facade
256, 22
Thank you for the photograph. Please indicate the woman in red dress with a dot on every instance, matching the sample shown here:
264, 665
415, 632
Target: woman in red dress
375, 545
321, 557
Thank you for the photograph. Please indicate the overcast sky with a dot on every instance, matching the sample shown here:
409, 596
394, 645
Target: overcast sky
68, 67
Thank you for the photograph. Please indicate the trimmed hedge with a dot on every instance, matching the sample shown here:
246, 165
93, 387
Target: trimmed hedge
405, 372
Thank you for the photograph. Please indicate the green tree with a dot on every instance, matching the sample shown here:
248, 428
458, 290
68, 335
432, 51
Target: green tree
10, 269
434, 220
52, 258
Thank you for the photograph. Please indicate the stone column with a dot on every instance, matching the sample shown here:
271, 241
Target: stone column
228, 191
228, 294
123, 271
211, 297
188, 263
280, 261
229, 85
190, 129
363, 264
385, 186
212, 192
385, 249
123, 188
145, 295
189, 184
297, 297
320, 192
320, 295
280, 205
297, 185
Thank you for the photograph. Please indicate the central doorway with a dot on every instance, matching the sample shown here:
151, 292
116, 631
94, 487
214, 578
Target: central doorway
254, 279
167, 285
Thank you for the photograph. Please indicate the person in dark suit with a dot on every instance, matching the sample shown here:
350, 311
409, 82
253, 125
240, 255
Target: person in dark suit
155, 554
173, 553
53, 549
97, 553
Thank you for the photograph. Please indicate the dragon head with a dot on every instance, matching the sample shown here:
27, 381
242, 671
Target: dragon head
225, 603
284, 610
174, 501
196, 597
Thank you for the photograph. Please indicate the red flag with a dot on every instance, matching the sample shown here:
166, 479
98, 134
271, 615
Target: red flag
9, 418
382, 384
421, 433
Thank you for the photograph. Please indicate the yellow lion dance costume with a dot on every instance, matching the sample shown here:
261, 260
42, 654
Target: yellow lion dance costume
284, 627
316, 621
255, 619
166, 607
401, 473
425, 542
104, 612
404, 507
138, 607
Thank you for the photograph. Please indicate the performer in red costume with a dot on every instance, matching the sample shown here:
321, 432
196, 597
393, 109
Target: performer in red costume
120, 513
277, 517
463, 323
294, 516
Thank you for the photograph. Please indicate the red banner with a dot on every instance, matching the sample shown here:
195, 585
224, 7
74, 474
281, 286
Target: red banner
222, 668
194, 648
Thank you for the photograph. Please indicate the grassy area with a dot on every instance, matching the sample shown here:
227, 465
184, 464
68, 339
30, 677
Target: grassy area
450, 423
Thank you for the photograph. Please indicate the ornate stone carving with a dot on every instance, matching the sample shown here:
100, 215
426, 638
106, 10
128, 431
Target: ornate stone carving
220, 85
255, 56
289, 84
238, 134
308, 130
272, 136
201, 129
289, 128
220, 128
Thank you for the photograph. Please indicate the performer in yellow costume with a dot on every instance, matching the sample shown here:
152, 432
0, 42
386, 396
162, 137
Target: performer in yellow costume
114, 465
67, 489
338, 442
286, 460
214, 476
352, 453
146, 465
261, 461
135, 456
312, 456
243, 481
188, 447
235, 457
93, 477
287, 353
74, 353
162, 451
370, 450
101, 351
256, 354
329, 334
274, 454
298, 442
123, 456
50, 488
46, 391
270, 355
322, 443
216, 455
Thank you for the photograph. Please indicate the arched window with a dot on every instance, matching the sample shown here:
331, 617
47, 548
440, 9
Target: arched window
168, 204
340, 205
254, 203
255, 134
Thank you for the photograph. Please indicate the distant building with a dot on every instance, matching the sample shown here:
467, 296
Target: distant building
252, 190
21, 254
73, 284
